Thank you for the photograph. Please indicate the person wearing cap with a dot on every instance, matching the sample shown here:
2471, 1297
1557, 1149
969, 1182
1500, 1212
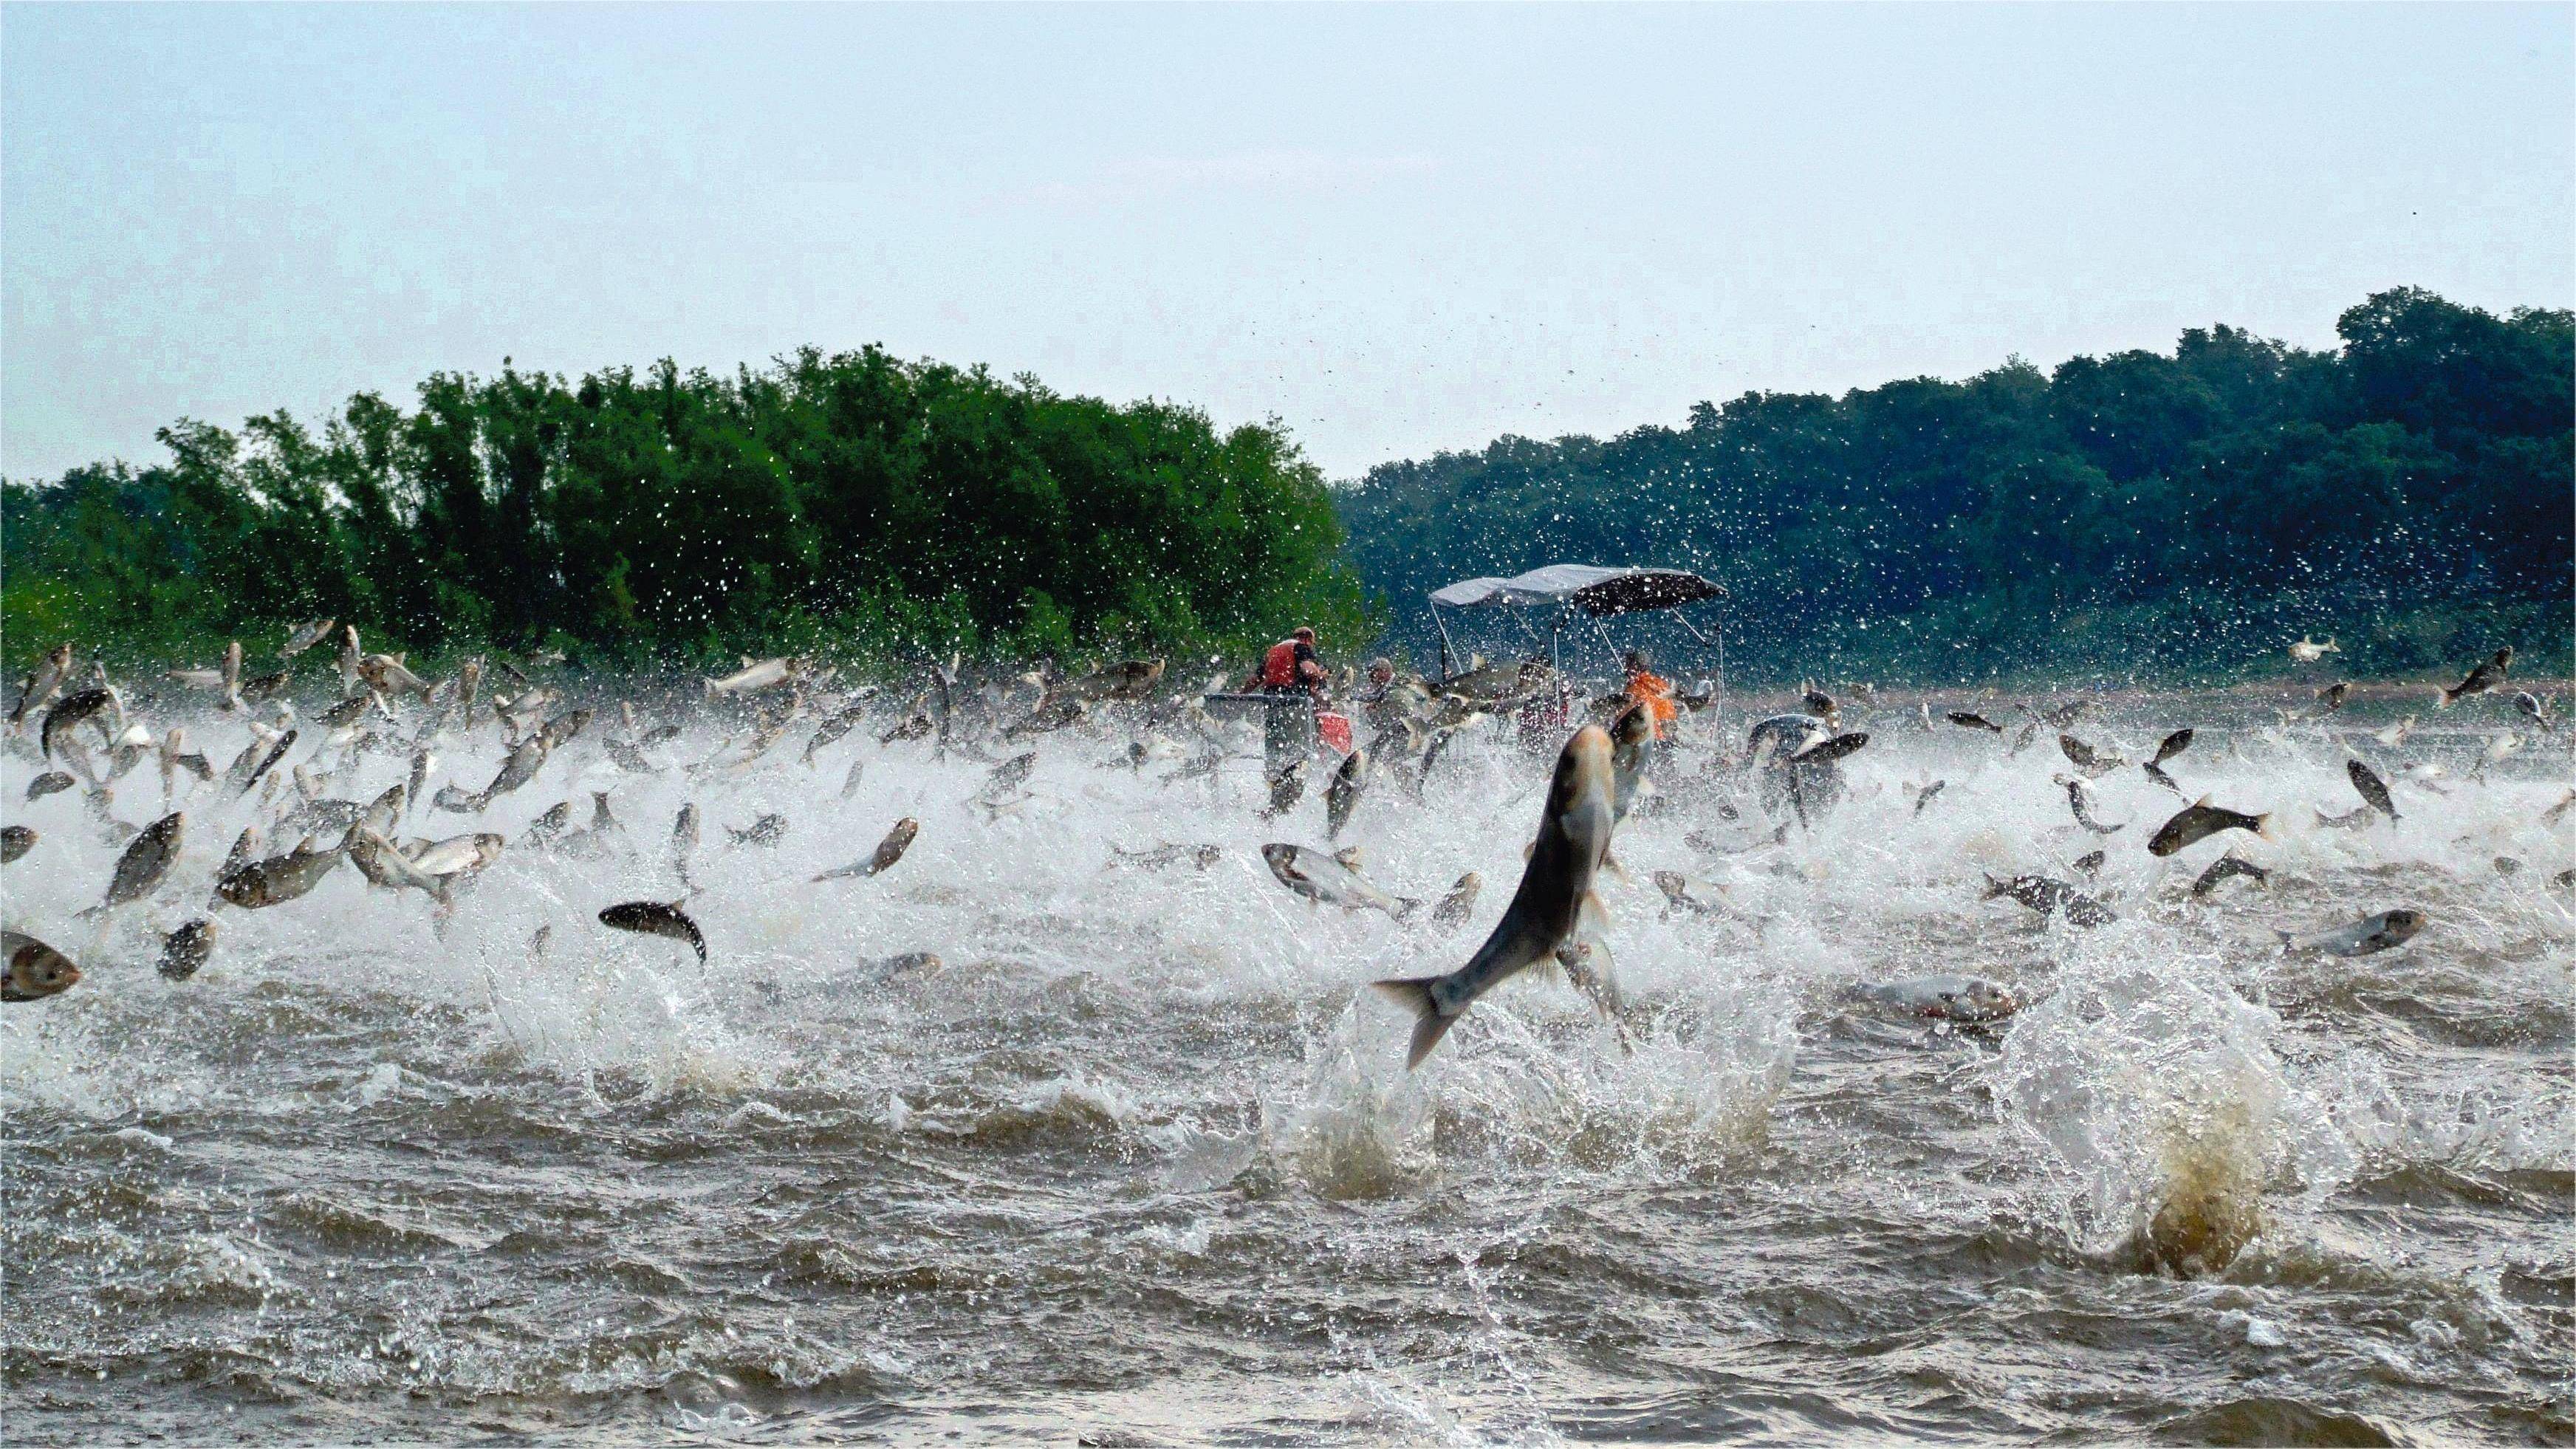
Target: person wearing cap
1290, 665
1377, 699
1289, 669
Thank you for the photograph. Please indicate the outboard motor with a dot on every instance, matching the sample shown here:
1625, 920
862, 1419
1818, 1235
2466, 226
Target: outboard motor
1808, 789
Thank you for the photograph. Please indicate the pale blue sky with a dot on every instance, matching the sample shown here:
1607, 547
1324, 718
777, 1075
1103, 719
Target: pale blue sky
1398, 230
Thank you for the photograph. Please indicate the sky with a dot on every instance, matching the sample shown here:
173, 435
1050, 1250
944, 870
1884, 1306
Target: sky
1395, 230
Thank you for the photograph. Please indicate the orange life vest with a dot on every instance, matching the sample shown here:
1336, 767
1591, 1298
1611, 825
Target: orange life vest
1656, 694
1279, 666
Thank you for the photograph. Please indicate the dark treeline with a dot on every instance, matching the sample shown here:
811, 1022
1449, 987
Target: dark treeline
2134, 516
852, 502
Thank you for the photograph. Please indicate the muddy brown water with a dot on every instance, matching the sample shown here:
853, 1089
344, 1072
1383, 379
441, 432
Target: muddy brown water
1138, 1161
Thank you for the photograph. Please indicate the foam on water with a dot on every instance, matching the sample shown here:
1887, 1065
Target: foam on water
1142, 1148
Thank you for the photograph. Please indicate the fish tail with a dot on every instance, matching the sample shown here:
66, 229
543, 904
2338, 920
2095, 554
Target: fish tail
1429, 1025
2287, 939
1405, 906
1996, 888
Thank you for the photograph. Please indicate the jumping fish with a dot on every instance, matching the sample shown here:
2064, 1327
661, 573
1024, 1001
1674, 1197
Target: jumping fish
458, 855
41, 682
2198, 821
2373, 790
35, 970
1342, 793
187, 949
60, 720
2487, 675
1554, 911
656, 918
1459, 903
2170, 746
1680, 893
1826, 750
2091, 762
250, 776
1334, 878
2532, 710
2364, 937
382, 864
350, 654
752, 676
888, 851
1286, 788
2045, 895
2225, 868
280, 878
2084, 817
1943, 998
300, 639
145, 863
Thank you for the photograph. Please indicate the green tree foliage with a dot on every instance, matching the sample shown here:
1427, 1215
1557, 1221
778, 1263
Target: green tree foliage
850, 501
2138, 515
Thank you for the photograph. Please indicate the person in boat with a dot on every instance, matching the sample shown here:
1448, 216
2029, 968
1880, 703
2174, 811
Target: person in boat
1294, 679
1290, 666
1651, 690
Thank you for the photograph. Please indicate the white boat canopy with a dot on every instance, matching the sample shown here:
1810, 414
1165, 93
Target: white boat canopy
1595, 590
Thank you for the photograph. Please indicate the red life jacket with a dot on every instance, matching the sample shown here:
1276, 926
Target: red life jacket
1279, 666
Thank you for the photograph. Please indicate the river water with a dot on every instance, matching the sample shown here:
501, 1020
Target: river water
1138, 1161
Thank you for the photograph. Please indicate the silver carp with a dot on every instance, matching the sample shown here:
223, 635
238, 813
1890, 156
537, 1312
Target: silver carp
280, 878
888, 851
34, 970
1554, 910
656, 918
146, 862
2200, 820
2364, 937
1334, 879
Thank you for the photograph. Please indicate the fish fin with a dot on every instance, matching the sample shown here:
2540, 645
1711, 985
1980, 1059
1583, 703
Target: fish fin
2202, 801
92, 913
1414, 995
2287, 939
2263, 826
1349, 856
1578, 958
2442, 698
1995, 888
1611, 864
